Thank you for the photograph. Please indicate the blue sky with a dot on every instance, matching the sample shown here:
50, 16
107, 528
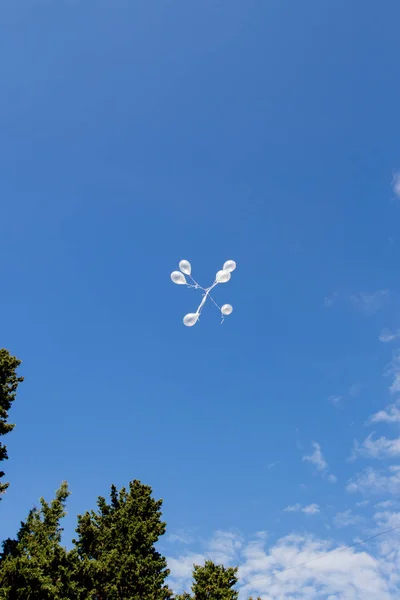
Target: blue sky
136, 134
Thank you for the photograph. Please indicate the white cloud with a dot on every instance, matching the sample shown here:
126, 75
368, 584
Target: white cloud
388, 336
362, 503
380, 448
331, 299
222, 548
367, 302
355, 390
310, 509
180, 536
273, 464
374, 481
391, 414
393, 369
370, 303
387, 519
385, 504
395, 387
347, 518
335, 399
317, 458
396, 183
181, 568
293, 508
269, 570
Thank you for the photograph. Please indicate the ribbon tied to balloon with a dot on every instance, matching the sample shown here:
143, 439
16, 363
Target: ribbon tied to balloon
223, 276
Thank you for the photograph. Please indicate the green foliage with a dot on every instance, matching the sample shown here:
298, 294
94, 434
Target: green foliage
114, 556
213, 582
9, 382
35, 565
116, 546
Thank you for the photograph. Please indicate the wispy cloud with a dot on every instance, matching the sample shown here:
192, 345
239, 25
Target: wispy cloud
391, 414
273, 465
387, 336
293, 508
385, 504
224, 546
310, 509
317, 458
181, 536
362, 503
384, 520
374, 481
366, 302
346, 518
331, 299
379, 448
370, 302
353, 392
396, 183
335, 399
393, 370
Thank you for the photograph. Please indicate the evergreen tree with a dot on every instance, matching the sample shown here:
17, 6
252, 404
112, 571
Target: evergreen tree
9, 382
213, 582
35, 565
116, 546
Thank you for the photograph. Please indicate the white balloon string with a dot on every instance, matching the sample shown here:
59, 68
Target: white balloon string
205, 296
222, 277
219, 308
213, 301
194, 281
196, 286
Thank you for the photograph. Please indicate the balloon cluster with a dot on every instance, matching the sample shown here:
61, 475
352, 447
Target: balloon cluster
222, 276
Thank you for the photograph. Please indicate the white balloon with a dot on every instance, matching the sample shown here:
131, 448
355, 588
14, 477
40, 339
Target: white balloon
190, 319
227, 309
178, 277
185, 267
230, 266
223, 276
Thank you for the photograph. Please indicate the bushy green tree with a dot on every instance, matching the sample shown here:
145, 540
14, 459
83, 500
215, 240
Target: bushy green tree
116, 546
114, 558
213, 582
35, 565
9, 382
